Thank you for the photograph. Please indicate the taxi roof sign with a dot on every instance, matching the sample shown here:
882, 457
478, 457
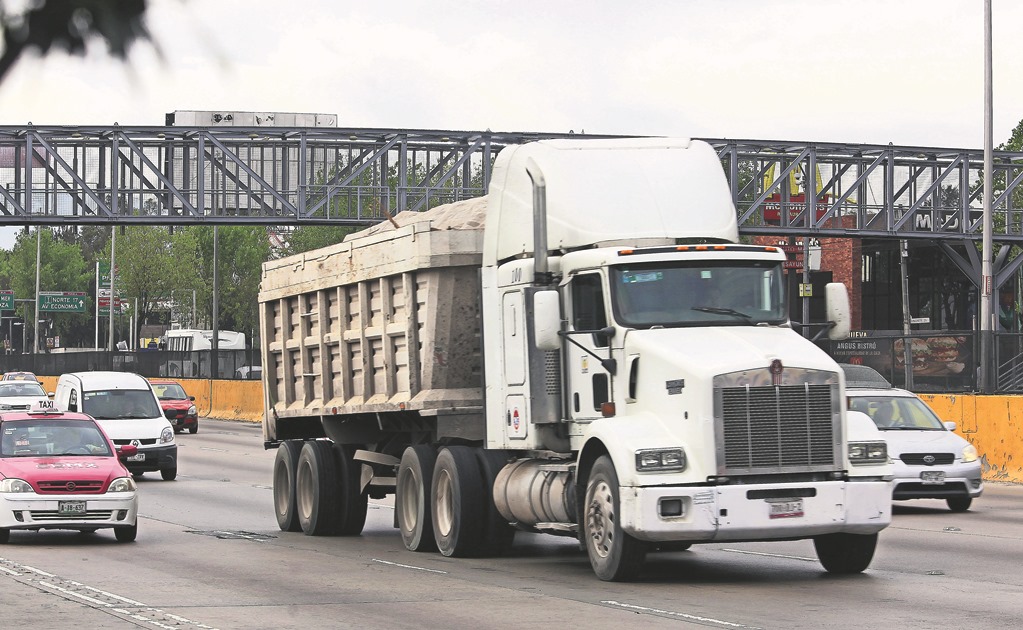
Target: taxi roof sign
44, 407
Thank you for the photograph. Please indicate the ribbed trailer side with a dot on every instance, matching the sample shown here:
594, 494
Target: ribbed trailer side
384, 322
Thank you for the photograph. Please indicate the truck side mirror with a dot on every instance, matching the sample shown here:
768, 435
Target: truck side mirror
836, 299
547, 320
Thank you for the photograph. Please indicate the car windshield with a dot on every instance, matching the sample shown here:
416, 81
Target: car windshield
169, 391
703, 293
897, 413
34, 438
21, 388
121, 404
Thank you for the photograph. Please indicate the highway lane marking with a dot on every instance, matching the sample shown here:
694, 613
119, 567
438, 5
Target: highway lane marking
409, 566
770, 555
676, 614
94, 597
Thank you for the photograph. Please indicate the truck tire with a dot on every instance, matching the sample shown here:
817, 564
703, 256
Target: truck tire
845, 553
412, 497
457, 504
614, 555
354, 502
498, 534
285, 465
316, 489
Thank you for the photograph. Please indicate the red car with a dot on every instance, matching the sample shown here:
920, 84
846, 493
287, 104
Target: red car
59, 470
178, 407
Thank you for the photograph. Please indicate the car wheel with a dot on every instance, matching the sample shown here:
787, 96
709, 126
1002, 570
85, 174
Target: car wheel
169, 474
194, 428
126, 534
5, 536
959, 504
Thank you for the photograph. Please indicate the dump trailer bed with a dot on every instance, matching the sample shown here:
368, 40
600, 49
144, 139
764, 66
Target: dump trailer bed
386, 322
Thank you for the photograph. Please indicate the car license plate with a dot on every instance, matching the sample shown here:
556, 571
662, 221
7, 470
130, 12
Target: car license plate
786, 509
137, 457
932, 476
71, 507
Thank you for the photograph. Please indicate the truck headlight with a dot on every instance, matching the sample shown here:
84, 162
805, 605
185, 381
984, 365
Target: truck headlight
864, 453
122, 484
12, 484
167, 435
970, 453
659, 459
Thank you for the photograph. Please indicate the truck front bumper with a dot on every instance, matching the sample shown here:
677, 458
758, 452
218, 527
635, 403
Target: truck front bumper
745, 513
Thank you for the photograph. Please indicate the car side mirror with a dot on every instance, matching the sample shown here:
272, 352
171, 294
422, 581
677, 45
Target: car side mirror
192, 398
951, 426
126, 451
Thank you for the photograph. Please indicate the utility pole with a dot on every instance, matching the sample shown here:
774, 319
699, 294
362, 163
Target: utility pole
987, 374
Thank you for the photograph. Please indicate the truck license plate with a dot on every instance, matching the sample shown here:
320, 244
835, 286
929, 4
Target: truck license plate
786, 509
138, 457
932, 476
71, 507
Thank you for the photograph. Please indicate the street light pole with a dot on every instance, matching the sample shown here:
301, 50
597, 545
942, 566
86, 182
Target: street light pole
39, 246
987, 368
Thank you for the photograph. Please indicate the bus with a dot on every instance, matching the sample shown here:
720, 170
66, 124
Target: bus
190, 340
193, 357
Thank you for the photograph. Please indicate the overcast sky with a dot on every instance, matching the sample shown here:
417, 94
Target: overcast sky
909, 72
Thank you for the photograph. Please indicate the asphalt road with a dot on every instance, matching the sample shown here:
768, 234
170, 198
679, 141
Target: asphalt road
209, 555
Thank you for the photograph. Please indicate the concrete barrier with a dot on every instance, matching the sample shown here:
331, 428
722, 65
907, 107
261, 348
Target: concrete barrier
994, 424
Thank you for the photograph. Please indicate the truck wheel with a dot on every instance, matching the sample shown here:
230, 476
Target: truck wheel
845, 553
316, 489
614, 555
354, 502
412, 497
498, 534
457, 502
959, 504
285, 465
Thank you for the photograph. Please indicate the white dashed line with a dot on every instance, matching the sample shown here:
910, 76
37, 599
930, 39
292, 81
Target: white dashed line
409, 566
678, 615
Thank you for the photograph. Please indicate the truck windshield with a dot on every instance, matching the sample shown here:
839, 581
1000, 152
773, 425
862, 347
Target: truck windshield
702, 293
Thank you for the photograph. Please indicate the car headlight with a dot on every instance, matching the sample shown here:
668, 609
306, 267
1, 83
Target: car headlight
192, 411
167, 435
122, 484
12, 484
660, 459
970, 453
865, 453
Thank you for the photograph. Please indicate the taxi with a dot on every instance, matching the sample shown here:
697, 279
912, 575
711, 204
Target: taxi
59, 470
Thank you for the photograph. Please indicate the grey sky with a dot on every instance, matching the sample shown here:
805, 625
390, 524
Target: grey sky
908, 72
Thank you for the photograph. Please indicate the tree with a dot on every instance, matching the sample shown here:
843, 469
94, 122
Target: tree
69, 25
151, 266
61, 268
241, 252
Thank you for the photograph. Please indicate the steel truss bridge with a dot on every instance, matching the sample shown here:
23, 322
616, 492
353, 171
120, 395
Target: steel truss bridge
285, 177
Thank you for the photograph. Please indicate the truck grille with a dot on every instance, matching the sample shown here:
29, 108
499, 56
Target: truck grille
777, 428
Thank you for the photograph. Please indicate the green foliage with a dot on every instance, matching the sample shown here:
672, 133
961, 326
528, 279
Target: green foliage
69, 25
61, 268
241, 252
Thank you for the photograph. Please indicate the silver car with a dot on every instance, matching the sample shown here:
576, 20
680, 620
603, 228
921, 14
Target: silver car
931, 462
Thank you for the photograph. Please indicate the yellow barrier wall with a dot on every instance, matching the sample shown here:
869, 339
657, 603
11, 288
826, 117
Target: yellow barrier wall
991, 423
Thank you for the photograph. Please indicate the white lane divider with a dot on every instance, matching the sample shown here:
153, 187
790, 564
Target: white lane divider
677, 615
111, 603
409, 566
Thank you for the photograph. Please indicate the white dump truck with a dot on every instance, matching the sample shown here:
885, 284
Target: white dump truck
587, 351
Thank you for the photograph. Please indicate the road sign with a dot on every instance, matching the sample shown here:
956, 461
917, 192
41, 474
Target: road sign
61, 302
6, 300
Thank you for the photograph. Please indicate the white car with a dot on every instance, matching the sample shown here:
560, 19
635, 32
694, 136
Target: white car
21, 395
930, 460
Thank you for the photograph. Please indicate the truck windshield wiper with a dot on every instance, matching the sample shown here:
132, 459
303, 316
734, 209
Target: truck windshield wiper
718, 310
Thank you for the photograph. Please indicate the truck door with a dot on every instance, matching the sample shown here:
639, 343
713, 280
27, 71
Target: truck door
589, 384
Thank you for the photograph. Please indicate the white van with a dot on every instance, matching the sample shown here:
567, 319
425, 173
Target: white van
128, 410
